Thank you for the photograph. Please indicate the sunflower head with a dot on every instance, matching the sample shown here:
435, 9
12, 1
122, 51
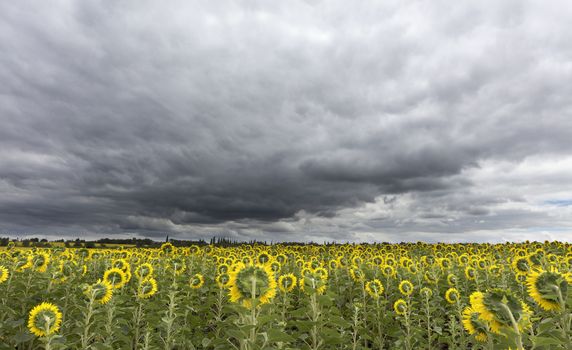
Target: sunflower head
548, 289
252, 283
263, 258
406, 287
286, 283
482, 264
115, 277
44, 319
40, 261
3, 274
400, 307
313, 282
452, 295
495, 270
121, 264
167, 248
177, 264
413, 269
222, 268
474, 325
430, 277
374, 288
452, 279
144, 271
496, 307
197, 281
470, 273
521, 265
445, 263
222, 280
426, 292
388, 271
102, 291
357, 274
520, 278
147, 288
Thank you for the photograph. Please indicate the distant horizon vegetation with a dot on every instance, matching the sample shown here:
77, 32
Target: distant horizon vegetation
154, 243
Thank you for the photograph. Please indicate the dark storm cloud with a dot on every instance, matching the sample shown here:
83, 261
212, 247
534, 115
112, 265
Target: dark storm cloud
271, 120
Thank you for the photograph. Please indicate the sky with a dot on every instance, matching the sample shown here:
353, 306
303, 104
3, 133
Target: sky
367, 121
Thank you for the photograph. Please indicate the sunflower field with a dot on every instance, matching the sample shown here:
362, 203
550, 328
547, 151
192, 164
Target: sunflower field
251, 296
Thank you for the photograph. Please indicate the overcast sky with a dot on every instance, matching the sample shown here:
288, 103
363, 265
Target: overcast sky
287, 120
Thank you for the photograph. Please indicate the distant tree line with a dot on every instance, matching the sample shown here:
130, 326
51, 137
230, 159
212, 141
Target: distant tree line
142, 242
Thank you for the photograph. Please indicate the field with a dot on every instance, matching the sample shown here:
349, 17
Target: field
381, 296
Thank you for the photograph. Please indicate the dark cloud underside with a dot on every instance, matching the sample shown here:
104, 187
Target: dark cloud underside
295, 120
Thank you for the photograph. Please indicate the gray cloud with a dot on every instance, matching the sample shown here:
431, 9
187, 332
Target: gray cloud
285, 121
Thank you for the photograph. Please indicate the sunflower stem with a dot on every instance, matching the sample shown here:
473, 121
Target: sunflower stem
87, 323
428, 315
565, 324
514, 327
408, 325
253, 312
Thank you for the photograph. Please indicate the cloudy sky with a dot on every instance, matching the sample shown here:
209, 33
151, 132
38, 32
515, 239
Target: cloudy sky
287, 120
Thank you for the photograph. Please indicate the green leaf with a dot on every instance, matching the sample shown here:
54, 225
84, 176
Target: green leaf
545, 341
275, 335
22, 337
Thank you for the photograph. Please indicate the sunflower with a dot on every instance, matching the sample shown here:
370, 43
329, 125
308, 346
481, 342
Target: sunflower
388, 271
281, 258
357, 274
167, 248
378, 260
520, 278
452, 279
197, 281
413, 269
116, 277
444, 263
374, 288
473, 325
252, 283
102, 291
45, 319
482, 264
67, 269
497, 307
426, 292
147, 288
470, 273
275, 266
406, 287
430, 277
400, 307
40, 261
521, 265
390, 261
222, 280
121, 264
177, 264
144, 271
495, 270
3, 274
223, 268
312, 281
546, 288
452, 295
263, 258
286, 283
405, 262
